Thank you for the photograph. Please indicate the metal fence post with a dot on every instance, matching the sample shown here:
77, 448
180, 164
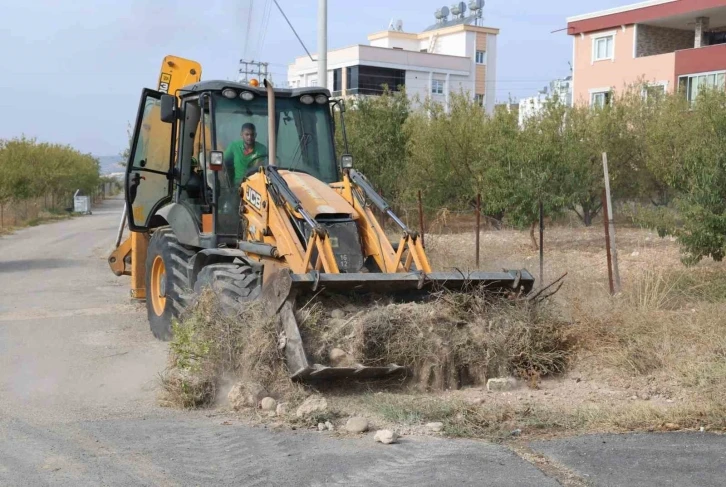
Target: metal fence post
478, 226
421, 227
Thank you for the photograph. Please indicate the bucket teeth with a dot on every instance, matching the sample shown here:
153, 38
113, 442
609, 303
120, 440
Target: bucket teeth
322, 372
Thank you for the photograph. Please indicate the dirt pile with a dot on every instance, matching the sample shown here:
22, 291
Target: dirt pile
447, 342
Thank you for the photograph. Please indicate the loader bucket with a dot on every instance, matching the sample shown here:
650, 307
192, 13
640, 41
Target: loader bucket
281, 290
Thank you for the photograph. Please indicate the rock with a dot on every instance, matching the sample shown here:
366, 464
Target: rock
671, 427
701, 429
516, 432
644, 396
245, 395
339, 358
337, 314
633, 398
356, 425
477, 401
329, 425
435, 427
501, 384
321, 426
312, 405
350, 308
635, 254
281, 409
268, 404
385, 436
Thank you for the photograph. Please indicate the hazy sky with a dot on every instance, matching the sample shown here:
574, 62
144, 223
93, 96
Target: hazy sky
72, 72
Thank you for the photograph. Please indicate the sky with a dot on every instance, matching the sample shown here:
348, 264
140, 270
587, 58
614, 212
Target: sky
72, 72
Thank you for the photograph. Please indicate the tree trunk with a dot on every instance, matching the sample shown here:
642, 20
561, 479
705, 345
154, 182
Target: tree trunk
587, 216
531, 234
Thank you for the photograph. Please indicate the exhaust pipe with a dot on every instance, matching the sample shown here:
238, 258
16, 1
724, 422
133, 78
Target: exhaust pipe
271, 136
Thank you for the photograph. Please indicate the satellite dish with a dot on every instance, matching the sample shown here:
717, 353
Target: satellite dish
399, 25
444, 12
462, 8
455, 10
438, 14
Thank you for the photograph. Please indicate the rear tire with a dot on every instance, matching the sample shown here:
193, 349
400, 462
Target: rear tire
233, 283
166, 281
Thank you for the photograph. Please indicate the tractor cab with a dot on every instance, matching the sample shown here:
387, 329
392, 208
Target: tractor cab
184, 150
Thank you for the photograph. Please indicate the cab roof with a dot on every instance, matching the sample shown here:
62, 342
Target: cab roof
213, 85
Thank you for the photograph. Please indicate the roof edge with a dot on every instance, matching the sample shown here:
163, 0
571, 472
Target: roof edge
618, 10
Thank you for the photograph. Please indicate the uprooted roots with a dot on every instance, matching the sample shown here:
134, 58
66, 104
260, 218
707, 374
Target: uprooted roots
448, 341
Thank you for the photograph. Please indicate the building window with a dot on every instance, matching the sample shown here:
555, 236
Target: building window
600, 98
370, 80
693, 84
603, 48
480, 100
654, 91
313, 82
337, 79
437, 87
481, 57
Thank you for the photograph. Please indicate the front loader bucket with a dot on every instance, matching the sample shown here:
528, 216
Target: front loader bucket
280, 292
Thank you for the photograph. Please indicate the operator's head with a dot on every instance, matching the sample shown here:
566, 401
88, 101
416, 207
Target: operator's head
249, 134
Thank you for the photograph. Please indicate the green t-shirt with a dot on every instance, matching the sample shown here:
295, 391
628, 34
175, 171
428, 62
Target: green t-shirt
236, 158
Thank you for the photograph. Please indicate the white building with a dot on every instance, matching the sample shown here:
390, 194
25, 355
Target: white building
451, 56
562, 88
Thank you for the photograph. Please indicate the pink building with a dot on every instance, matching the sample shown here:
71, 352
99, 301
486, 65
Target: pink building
671, 44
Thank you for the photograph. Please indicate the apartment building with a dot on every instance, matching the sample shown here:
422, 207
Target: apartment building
670, 44
453, 55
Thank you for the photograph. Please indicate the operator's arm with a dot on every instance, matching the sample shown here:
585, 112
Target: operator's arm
230, 161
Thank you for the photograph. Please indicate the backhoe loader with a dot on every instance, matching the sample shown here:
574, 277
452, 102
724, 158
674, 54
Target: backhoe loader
301, 221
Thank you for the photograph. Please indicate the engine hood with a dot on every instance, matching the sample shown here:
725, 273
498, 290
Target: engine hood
317, 197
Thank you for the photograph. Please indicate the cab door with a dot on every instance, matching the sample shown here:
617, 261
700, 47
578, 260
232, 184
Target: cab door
149, 168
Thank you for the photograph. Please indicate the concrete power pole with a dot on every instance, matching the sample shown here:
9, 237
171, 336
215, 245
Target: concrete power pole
323, 43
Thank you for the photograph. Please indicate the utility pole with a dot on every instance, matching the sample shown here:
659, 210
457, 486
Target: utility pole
323, 43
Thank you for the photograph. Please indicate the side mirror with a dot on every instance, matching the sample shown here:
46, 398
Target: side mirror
346, 161
168, 108
216, 160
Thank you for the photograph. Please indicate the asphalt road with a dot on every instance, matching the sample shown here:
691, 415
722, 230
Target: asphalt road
78, 402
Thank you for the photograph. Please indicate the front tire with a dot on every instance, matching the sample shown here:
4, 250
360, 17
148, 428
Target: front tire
166, 281
233, 283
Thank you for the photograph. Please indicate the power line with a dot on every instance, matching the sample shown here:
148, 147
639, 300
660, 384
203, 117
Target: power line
264, 24
249, 26
294, 31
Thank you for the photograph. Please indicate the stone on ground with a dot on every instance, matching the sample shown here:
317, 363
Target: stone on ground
337, 314
435, 427
312, 405
356, 425
500, 384
281, 409
385, 436
268, 404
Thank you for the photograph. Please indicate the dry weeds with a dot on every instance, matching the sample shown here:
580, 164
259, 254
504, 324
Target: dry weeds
651, 358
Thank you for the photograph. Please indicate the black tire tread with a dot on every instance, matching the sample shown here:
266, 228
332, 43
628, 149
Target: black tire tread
176, 259
233, 283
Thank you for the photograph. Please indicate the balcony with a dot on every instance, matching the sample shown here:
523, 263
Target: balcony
702, 60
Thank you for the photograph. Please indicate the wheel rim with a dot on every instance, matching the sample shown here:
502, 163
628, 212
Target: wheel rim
158, 285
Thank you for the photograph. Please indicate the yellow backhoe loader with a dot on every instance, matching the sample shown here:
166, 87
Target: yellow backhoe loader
301, 220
